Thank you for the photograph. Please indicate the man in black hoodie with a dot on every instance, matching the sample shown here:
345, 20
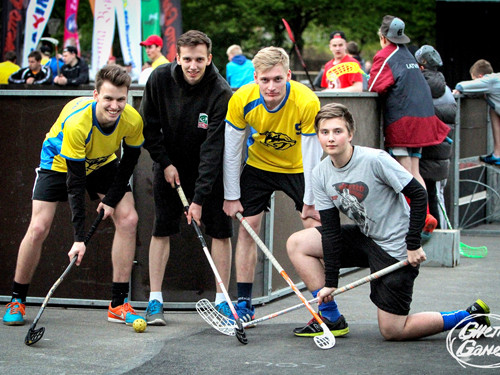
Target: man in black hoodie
183, 107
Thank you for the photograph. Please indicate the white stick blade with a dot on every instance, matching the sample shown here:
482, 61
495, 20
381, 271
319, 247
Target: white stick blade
214, 318
326, 340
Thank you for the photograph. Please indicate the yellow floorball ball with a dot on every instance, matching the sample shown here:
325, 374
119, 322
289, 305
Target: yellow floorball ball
139, 325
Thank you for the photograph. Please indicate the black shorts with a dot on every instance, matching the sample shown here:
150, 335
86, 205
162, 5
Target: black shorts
258, 185
169, 209
391, 293
50, 186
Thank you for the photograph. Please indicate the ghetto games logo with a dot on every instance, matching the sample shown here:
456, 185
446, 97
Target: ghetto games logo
476, 345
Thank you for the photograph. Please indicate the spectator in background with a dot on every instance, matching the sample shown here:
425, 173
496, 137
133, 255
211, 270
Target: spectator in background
34, 73
409, 119
75, 70
8, 67
239, 70
484, 81
52, 62
352, 82
435, 161
354, 51
153, 45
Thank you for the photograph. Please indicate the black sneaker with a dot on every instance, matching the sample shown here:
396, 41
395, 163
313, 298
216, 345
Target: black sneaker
338, 328
479, 307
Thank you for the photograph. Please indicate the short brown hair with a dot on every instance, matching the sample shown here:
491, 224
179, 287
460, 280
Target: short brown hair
480, 67
335, 110
116, 75
36, 55
269, 57
193, 38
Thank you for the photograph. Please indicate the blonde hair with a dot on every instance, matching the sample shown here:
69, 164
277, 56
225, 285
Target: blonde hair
234, 50
269, 57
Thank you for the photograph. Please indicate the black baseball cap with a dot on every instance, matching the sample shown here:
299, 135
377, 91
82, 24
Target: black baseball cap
337, 34
70, 49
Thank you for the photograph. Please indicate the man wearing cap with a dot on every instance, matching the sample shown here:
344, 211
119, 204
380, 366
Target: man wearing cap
75, 70
350, 82
409, 119
153, 45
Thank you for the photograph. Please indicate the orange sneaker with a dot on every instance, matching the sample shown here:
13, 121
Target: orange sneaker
430, 225
122, 314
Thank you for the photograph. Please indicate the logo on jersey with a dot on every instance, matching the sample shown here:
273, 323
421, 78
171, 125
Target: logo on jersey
278, 141
203, 121
350, 196
95, 164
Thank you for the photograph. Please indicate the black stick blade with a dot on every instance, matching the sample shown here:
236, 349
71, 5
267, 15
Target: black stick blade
240, 333
34, 335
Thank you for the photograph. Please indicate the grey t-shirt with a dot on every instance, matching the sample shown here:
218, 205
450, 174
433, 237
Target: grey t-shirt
367, 190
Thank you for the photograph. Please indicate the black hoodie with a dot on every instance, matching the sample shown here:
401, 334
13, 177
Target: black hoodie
184, 125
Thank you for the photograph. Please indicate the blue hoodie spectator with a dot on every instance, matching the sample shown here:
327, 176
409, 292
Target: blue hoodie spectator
239, 70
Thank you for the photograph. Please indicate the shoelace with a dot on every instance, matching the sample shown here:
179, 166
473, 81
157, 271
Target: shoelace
128, 308
154, 309
15, 308
225, 310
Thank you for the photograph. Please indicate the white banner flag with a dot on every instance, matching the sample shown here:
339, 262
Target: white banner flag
129, 30
104, 32
37, 15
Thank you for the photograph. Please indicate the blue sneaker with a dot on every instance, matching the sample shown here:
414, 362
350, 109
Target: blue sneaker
245, 313
14, 315
490, 159
123, 314
154, 313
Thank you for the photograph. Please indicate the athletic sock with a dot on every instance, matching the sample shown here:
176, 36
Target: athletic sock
245, 293
156, 296
452, 318
329, 310
119, 292
219, 298
20, 291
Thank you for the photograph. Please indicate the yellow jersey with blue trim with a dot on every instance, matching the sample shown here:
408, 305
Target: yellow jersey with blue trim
274, 142
76, 135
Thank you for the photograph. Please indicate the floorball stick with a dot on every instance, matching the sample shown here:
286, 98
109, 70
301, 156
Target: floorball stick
324, 341
34, 335
292, 38
343, 289
202, 306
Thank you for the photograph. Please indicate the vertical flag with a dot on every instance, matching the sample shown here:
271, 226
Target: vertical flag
70, 25
172, 26
13, 17
104, 31
150, 14
128, 14
37, 15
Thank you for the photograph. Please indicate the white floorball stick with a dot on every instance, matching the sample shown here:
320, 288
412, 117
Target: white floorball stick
324, 341
204, 306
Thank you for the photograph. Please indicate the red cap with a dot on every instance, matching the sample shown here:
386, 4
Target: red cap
153, 39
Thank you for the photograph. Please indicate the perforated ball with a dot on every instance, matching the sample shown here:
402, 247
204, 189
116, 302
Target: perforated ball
139, 325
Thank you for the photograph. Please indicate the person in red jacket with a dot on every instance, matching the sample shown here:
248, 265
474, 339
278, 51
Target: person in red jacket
409, 119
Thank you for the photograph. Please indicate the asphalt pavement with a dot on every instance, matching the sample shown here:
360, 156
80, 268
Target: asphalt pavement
81, 341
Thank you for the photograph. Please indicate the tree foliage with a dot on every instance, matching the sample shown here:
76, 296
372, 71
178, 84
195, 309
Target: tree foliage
257, 23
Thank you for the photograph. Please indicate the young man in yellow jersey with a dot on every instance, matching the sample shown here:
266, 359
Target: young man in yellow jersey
282, 151
78, 154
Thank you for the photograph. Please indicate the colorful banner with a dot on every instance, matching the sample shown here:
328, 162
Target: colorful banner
150, 13
128, 14
13, 18
104, 32
172, 26
70, 25
37, 15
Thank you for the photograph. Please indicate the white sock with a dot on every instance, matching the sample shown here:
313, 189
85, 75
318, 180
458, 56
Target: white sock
157, 296
219, 298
